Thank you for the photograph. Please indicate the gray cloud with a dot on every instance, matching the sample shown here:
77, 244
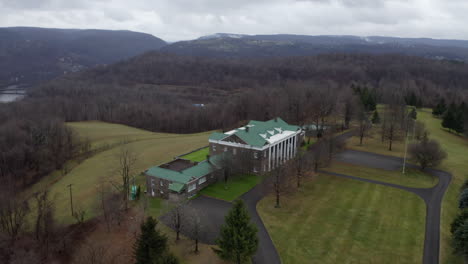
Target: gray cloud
186, 19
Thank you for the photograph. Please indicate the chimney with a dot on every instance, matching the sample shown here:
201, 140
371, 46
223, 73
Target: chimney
208, 158
247, 128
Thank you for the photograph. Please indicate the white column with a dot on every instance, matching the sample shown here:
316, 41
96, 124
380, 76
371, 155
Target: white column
279, 153
289, 148
286, 149
269, 158
295, 144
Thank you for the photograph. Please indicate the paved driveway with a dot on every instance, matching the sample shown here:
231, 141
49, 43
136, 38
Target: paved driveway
431, 196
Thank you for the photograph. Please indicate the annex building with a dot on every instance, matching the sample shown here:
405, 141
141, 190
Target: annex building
266, 145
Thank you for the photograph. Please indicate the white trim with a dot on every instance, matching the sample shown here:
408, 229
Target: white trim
189, 189
201, 180
233, 144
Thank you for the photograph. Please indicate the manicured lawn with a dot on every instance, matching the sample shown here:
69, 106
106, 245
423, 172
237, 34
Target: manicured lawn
457, 148
456, 163
199, 155
308, 141
151, 149
412, 177
337, 220
373, 143
235, 187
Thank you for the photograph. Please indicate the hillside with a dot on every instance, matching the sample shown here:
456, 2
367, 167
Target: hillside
30, 55
239, 46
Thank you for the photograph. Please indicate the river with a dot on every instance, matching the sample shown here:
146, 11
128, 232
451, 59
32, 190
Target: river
11, 93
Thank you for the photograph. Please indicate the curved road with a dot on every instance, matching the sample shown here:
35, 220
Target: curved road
431, 196
213, 210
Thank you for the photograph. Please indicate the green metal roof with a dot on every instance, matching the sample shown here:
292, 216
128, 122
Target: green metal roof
176, 187
185, 176
217, 136
255, 129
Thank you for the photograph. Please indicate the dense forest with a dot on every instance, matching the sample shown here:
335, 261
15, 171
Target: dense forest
170, 93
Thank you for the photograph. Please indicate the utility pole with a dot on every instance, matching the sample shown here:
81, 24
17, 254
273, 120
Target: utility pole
406, 146
71, 198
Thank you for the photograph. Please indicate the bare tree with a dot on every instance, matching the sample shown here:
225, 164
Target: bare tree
194, 227
420, 130
178, 217
394, 123
300, 163
13, 210
44, 222
427, 153
126, 169
281, 181
364, 125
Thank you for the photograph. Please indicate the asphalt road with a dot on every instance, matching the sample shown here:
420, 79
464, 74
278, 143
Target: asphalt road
431, 196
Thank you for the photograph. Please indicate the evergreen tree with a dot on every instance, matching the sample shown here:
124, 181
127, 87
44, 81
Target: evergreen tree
375, 118
440, 108
459, 220
460, 118
411, 99
151, 246
413, 114
460, 240
449, 119
463, 199
238, 237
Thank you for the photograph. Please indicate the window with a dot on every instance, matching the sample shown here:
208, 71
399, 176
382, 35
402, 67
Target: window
256, 155
192, 187
225, 149
214, 147
161, 183
201, 180
234, 151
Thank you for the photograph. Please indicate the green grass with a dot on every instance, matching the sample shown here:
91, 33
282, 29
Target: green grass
456, 163
235, 187
151, 149
412, 177
308, 141
456, 147
199, 155
337, 220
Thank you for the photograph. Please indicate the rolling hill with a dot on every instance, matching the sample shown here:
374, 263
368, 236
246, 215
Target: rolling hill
29, 55
236, 45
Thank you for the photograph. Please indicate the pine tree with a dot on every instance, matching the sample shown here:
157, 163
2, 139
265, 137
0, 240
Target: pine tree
151, 246
238, 238
375, 118
460, 118
413, 114
449, 119
440, 108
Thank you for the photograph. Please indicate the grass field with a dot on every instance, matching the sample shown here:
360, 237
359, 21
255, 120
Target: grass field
457, 149
235, 187
337, 220
412, 177
151, 149
373, 143
199, 155
456, 163
308, 141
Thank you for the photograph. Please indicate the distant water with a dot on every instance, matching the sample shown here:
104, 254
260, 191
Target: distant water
11, 93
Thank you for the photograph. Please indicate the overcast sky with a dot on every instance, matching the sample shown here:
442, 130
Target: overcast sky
174, 20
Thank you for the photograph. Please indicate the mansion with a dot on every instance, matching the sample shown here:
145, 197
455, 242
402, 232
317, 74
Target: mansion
269, 143
265, 144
